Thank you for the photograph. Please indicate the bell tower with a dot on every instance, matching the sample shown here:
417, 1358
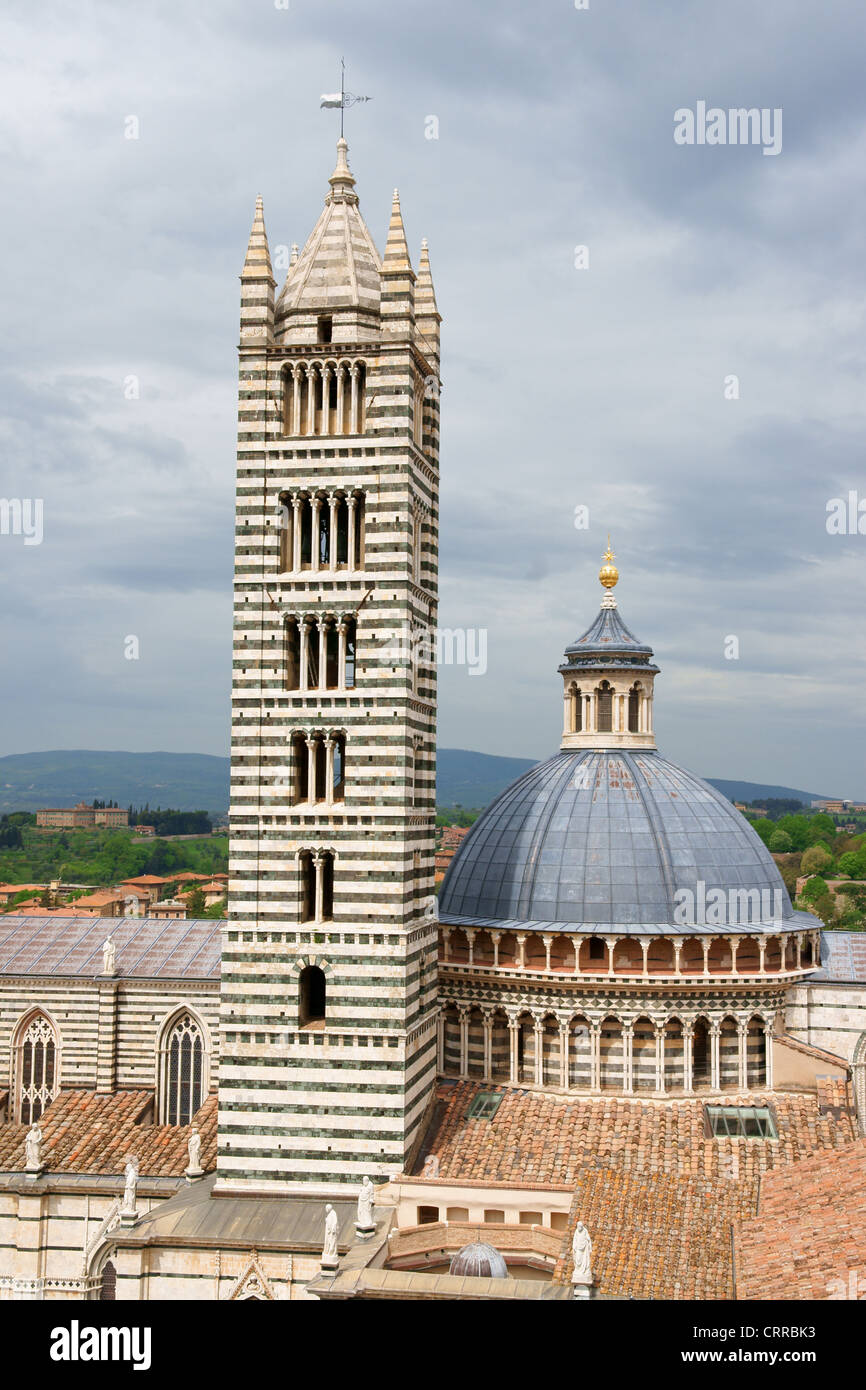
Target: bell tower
328, 992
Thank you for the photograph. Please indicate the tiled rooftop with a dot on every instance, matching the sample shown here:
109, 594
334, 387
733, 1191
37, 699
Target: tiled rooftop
547, 1139
808, 1240
147, 948
91, 1132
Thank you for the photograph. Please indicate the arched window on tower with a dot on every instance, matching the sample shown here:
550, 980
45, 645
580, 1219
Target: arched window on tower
108, 1283
604, 699
312, 995
36, 1069
575, 722
182, 1070
293, 654
417, 545
634, 709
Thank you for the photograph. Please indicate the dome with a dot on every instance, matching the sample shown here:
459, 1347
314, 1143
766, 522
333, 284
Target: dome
479, 1261
594, 838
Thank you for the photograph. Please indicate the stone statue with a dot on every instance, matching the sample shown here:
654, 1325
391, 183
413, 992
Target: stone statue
194, 1151
329, 1250
581, 1249
109, 954
33, 1146
131, 1171
364, 1219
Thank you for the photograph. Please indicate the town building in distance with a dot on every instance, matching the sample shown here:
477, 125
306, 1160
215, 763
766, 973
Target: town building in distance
81, 817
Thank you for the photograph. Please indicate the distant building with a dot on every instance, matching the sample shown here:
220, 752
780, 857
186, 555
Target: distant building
107, 902
80, 817
834, 806
168, 908
147, 830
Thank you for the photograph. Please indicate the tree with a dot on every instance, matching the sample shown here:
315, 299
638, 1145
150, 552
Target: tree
780, 842
764, 829
817, 859
195, 904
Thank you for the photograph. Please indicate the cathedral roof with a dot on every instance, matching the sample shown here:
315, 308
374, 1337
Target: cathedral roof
180, 948
339, 266
593, 839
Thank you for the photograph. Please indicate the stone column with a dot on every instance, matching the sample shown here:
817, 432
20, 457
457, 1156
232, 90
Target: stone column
351, 557
296, 530
354, 424
688, 1058
341, 383
311, 770
521, 944
315, 508
304, 637
705, 947
660, 1059
563, 1053
496, 937
610, 942
644, 945
741, 1055
735, 946
297, 378
342, 629
470, 937
715, 1068
488, 1044
311, 400
464, 1040
446, 943
678, 946
329, 770
323, 653
318, 857
538, 1030
628, 1058
547, 938
768, 1056
333, 504
762, 950
513, 1033
326, 397
595, 1056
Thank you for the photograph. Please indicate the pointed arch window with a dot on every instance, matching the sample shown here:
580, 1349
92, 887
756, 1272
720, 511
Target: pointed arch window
183, 1070
36, 1069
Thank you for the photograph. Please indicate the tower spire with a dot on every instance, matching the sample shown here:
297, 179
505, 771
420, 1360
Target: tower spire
427, 316
398, 277
257, 282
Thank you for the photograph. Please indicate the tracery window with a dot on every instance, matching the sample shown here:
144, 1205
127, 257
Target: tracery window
37, 1069
183, 1071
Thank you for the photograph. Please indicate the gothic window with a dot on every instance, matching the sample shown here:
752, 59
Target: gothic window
37, 1069
182, 1067
286, 524
604, 697
312, 992
300, 768
108, 1283
338, 788
308, 885
351, 640
316, 868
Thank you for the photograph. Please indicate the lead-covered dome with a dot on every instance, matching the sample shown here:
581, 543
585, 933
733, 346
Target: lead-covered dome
593, 839
479, 1261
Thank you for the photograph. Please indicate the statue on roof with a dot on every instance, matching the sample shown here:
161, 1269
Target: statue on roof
109, 957
364, 1222
33, 1147
581, 1250
127, 1206
194, 1168
330, 1258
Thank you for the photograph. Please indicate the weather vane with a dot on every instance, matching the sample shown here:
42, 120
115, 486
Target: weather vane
341, 99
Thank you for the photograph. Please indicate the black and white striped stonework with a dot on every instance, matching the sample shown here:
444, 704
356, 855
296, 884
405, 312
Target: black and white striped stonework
339, 885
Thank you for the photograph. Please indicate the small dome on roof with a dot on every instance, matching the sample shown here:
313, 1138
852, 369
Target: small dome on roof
479, 1261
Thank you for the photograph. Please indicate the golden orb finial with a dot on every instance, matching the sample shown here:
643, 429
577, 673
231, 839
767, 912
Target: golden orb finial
608, 574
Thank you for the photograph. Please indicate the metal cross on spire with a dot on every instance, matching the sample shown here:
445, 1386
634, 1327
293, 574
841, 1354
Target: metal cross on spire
341, 99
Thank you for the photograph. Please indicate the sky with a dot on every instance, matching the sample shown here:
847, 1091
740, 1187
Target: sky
598, 379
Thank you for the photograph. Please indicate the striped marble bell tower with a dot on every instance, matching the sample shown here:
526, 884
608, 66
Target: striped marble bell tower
329, 965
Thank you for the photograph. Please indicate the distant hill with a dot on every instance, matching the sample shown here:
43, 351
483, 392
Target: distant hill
749, 791
184, 781
199, 781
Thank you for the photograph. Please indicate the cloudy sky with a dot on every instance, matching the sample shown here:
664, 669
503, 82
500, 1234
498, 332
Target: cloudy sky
601, 387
